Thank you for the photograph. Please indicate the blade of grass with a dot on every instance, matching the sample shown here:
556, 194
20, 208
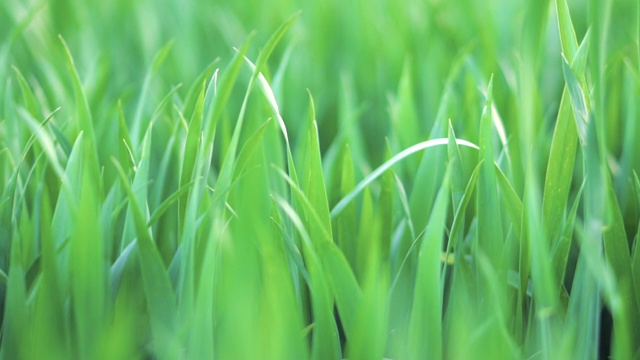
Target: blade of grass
15, 339
425, 327
339, 207
83, 114
228, 165
88, 279
346, 223
325, 342
160, 296
140, 183
138, 124
490, 233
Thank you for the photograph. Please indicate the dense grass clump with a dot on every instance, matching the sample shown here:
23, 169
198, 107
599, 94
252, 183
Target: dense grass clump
363, 179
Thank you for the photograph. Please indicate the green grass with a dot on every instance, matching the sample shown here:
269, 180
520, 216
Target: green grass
319, 180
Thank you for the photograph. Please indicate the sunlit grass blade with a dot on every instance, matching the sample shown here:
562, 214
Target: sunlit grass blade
229, 162
339, 207
267, 91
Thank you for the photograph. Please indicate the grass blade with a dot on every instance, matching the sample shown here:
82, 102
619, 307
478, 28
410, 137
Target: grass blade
425, 327
339, 207
160, 296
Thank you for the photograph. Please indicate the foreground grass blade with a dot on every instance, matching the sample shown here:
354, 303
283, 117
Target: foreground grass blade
158, 291
14, 346
425, 327
325, 343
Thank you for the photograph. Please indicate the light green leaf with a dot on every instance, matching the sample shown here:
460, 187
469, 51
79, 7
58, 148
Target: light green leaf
425, 327
161, 299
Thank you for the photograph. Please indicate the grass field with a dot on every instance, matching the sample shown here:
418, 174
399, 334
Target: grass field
335, 179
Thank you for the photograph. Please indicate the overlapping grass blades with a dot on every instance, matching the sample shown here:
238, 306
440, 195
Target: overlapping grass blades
463, 215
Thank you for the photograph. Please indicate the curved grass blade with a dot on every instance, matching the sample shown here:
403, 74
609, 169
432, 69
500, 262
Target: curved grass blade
229, 163
267, 91
340, 206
